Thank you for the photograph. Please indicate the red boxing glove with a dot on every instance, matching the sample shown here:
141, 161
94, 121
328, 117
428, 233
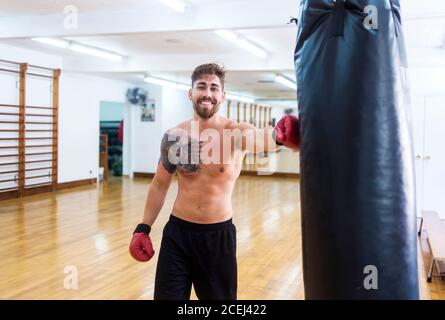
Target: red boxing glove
287, 132
141, 247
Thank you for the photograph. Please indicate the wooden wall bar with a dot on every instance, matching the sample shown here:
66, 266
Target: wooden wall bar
21, 183
229, 103
260, 123
55, 141
22, 105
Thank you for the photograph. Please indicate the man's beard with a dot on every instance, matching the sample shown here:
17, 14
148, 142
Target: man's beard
206, 113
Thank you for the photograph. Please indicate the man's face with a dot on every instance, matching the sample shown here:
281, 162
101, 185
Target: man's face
207, 95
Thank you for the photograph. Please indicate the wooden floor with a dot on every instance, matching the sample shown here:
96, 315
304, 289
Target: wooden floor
436, 288
45, 238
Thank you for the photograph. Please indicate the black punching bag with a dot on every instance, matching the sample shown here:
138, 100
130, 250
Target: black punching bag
357, 166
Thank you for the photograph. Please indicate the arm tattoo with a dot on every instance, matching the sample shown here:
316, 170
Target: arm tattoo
165, 148
180, 152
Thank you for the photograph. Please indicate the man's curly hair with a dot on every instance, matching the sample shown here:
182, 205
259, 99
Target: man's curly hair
209, 68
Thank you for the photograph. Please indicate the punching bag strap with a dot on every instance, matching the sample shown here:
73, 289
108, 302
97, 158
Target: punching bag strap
396, 16
293, 20
338, 19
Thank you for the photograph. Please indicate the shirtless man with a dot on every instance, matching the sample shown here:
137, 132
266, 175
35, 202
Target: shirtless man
199, 241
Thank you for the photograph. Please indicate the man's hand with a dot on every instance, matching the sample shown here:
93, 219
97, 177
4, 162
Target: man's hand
287, 132
141, 247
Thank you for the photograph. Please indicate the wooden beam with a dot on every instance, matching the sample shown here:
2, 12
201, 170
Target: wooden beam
264, 116
255, 124
22, 104
56, 76
260, 123
229, 102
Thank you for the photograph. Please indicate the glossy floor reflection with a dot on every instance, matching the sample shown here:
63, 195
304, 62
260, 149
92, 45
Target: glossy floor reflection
49, 240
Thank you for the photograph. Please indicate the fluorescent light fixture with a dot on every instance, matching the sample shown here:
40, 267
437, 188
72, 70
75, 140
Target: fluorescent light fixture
174, 4
53, 42
95, 52
239, 98
166, 83
249, 46
61, 43
286, 82
228, 35
241, 42
176, 85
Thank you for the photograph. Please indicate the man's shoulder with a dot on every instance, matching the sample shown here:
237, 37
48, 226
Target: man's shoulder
239, 125
181, 127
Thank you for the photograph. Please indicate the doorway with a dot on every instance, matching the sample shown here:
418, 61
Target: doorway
111, 139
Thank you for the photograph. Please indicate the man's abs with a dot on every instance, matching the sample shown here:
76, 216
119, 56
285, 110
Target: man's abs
204, 203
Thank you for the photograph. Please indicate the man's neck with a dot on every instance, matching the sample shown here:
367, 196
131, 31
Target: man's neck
212, 122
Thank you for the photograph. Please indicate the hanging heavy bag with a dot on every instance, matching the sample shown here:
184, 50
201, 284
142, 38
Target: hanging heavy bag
357, 166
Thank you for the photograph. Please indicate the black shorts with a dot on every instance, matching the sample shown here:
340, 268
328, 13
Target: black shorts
200, 254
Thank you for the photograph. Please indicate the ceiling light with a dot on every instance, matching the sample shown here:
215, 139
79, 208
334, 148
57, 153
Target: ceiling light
242, 42
166, 83
286, 82
53, 42
95, 52
174, 4
71, 45
228, 35
249, 46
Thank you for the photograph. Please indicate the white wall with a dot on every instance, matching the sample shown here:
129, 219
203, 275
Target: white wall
33, 57
9, 93
80, 98
428, 85
427, 81
176, 107
79, 103
146, 136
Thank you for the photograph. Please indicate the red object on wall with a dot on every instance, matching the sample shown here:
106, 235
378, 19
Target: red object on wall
120, 134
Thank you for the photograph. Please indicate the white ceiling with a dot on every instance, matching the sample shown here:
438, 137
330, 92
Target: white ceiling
411, 8
168, 44
197, 42
46, 7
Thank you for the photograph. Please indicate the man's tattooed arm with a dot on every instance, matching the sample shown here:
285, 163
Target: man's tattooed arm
192, 160
165, 147
179, 152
